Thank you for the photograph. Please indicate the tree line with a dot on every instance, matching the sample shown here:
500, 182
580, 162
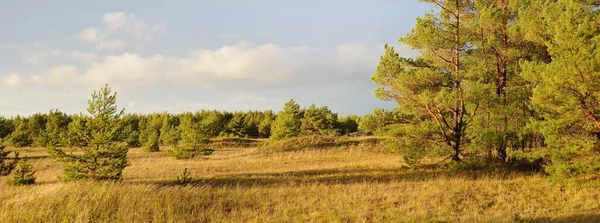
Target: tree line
166, 129
507, 80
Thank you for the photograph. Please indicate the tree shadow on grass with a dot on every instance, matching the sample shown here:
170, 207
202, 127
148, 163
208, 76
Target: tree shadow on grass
340, 176
566, 219
27, 157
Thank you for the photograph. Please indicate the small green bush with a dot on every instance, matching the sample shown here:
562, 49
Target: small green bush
24, 174
184, 178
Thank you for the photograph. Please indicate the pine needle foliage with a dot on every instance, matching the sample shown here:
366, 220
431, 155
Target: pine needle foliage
102, 158
24, 174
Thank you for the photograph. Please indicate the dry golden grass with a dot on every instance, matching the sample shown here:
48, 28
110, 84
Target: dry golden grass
352, 183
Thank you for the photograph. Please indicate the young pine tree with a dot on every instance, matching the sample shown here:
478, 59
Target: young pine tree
56, 127
102, 158
150, 132
195, 137
23, 175
6, 127
236, 125
152, 143
264, 127
168, 130
21, 137
288, 122
36, 125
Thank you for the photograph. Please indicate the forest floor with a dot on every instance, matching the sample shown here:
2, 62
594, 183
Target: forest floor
343, 183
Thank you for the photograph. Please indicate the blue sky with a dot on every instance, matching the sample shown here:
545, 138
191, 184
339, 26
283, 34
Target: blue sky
189, 55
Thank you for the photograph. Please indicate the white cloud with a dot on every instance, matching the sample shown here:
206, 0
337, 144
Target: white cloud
12, 80
110, 44
33, 57
127, 68
33, 53
115, 20
241, 76
357, 53
56, 52
63, 74
131, 105
119, 23
90, 35
42, 54
83, 57
241, 65
260, 63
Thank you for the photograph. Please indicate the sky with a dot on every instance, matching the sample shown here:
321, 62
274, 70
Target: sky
178, 56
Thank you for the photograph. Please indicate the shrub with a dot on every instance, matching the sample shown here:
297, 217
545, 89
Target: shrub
184, 178
24, 174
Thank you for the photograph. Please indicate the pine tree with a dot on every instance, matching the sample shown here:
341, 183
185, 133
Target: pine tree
56, 127
131, 128
195, 137
21, 137
288, 122
168, 130
78, 132
36, 125
6, 127
438, 89
102, 158
236, 125
213, 122
252, 120
380, 122
348, 124
152, 143
149, 126
318, 120
567, 89
7, 167
24, 174
498, 47
264, 127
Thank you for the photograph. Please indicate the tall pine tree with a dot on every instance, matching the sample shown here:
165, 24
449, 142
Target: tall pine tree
288, 121
439, 90
102, 158
567, 89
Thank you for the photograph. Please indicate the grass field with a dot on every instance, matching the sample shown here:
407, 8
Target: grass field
346, 183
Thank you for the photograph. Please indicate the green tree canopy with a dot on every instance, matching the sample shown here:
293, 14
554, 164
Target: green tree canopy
102, 158
288, 121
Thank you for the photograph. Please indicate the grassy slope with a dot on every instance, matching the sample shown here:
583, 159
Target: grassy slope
354, 183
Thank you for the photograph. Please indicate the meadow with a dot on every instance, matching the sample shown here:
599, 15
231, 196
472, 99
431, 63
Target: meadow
355, 181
